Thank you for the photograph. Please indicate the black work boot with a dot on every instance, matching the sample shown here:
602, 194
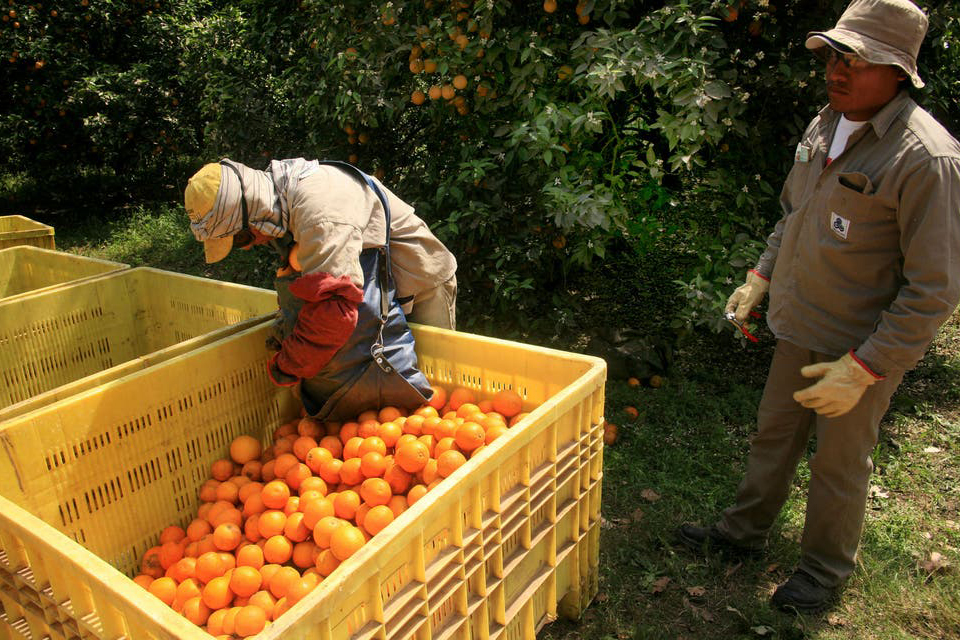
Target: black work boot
803, 594
699, 538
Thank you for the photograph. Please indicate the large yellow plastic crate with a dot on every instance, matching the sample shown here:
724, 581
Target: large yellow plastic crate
20, 230
496, 550
25, 270
56, 343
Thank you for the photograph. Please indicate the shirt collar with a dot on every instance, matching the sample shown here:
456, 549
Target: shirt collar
881, 120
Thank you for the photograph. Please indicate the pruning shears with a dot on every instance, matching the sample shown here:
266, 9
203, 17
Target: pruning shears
731, 316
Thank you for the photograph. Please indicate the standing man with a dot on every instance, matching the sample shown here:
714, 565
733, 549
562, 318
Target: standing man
862, 270
352, 255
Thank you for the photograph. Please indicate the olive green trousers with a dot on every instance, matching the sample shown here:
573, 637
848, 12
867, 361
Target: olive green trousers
840, 468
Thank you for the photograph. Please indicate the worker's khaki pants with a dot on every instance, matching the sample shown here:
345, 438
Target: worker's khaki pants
839, 469
436, 307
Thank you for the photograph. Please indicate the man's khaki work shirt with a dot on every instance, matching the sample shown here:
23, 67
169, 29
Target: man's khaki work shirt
867, 254
333, 217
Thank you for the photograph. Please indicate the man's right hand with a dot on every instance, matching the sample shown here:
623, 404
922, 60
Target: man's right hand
748, 295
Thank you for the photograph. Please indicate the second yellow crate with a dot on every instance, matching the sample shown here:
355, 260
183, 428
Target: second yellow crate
56, 343
25, 270
20, 230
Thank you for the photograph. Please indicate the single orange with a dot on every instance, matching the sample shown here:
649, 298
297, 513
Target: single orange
377, 518
198, 528
245, 448
345, 541
325, 528
251, 528
373, 464
330, 471
376, 491
412, 457
184, 569
313, 484
429, 473
388, 414
250, 556
271, 523
250, 621
368, 427
209, 566
283, 463
346, 503
348, 430
398, 478
215, 621
351, 448
227, 536
172, 533
332, 444
372, 443
469, 436
275, 494
221, 469
326, 562
449, 461
314, 510
216, 593
493, 432
398, 504
390, 432
195, 611
263, 599
295, 529
304, 554
164, 588
459, 396
245, 581
170, 553
350, 472
302, 446
277, 549
296, 475
416, 492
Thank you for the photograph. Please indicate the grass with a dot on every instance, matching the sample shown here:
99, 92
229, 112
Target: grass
682, 459
689, 444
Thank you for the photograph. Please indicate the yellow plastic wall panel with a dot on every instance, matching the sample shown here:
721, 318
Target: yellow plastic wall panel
20, 230
494, 551
109, 325
26, 269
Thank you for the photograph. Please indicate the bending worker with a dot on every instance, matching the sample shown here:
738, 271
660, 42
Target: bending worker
862, 270
355, 264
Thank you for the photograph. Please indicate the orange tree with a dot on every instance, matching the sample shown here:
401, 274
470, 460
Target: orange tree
534, 137
591, 163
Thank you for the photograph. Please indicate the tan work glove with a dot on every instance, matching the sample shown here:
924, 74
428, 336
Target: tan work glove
747, 296
842, 384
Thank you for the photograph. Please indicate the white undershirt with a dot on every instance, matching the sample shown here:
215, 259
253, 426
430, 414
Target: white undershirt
845, 129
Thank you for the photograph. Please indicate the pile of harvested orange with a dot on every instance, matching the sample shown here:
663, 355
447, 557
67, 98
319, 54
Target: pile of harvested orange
274, 522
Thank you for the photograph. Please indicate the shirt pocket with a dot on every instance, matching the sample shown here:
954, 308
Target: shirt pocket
857, 220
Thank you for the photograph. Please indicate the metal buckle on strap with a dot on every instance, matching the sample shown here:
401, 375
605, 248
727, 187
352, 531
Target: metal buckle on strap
376, 351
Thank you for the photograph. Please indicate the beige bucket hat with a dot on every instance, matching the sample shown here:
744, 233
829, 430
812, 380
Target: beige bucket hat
879, 31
